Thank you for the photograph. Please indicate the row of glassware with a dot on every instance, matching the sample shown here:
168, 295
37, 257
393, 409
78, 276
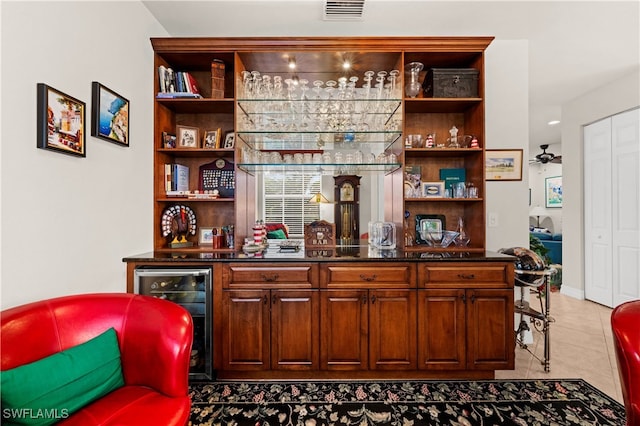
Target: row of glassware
376, 85
253, 156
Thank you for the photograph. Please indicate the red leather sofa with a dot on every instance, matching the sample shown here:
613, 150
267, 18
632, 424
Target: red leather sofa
625, 324
154, 337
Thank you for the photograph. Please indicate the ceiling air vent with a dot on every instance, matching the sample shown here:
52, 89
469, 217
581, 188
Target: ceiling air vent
343, 10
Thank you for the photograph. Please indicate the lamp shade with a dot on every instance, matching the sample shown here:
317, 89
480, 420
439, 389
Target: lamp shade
318, 198
538, 211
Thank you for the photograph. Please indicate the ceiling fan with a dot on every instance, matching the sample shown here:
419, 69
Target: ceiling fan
546, 157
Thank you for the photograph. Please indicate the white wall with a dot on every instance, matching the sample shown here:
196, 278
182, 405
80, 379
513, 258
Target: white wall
67, 222
507, 127
618, 96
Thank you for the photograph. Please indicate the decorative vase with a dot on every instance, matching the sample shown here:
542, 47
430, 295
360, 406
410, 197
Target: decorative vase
413, 84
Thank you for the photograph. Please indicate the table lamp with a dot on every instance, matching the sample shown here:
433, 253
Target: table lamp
538, 211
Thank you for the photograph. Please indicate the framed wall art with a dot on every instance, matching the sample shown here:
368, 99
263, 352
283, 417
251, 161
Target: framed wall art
503, 164
109, 115
61, 122
211, 139
553, 192
187, 137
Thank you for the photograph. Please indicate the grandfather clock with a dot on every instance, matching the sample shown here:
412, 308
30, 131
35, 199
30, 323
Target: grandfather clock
347, 210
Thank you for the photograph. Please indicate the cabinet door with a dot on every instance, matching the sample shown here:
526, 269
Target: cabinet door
294, 329
490, 335
245, 333
344, 325
441, 329
392, 329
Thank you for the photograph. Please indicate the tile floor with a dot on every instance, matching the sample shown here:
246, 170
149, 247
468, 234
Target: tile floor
581, 346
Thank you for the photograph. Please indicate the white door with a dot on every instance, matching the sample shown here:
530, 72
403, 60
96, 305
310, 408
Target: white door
625, 147
598, 285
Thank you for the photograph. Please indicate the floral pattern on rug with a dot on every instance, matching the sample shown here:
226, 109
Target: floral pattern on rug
403, 403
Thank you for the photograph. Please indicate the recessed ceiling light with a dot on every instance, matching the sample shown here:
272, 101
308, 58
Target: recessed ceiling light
553, 122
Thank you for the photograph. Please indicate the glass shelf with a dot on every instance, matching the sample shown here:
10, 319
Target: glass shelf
314, 140
324, 168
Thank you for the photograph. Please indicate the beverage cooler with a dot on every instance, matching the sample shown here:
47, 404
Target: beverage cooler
190, 288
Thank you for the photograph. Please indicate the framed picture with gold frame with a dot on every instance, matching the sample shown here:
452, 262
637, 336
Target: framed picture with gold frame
503, 164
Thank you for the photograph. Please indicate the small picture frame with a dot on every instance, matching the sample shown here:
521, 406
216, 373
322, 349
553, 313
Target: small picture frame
61, 122
229, 140
433, 189
109, 114
553, 192
187, 137
503, 164
211, 139
205, 236
168, 140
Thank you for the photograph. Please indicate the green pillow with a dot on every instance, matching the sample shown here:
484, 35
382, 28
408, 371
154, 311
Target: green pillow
52, 388
277, 234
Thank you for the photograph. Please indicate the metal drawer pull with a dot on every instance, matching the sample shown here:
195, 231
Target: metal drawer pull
364, 300
464, 298
269, 279
371, 278
265, 300
373, 299
467, 276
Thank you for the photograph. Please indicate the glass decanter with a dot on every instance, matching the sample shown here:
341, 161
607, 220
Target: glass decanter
413, 84
462, 240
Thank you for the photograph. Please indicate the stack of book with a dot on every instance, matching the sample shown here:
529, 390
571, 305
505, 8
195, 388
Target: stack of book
176, 178
176, 84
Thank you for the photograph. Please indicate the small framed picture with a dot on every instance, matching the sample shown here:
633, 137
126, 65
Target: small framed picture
229, 140
110, 115
433, 189
553, 192
205, 236
187, 137
168, 140
211, 139
503, 164
61, 122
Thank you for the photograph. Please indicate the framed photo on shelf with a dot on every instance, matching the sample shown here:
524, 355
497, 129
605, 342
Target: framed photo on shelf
433, 223
168, 140
205, 236
553, 192
433, 189
211, 139
109, 115
187, 137
61, 122
229, 140
503, 164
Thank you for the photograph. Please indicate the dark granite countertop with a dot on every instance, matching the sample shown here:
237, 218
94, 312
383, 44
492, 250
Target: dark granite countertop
333, 254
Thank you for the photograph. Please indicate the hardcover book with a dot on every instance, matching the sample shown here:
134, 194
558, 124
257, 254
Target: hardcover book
451, 176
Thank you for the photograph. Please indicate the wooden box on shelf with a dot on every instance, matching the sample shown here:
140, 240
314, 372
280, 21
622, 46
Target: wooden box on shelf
217, 79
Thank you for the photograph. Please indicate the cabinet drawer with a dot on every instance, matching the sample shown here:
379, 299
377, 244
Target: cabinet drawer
460, 275
368, 275
270, 275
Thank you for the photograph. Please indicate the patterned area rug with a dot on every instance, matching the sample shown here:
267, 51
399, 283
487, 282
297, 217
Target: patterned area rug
403, 403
